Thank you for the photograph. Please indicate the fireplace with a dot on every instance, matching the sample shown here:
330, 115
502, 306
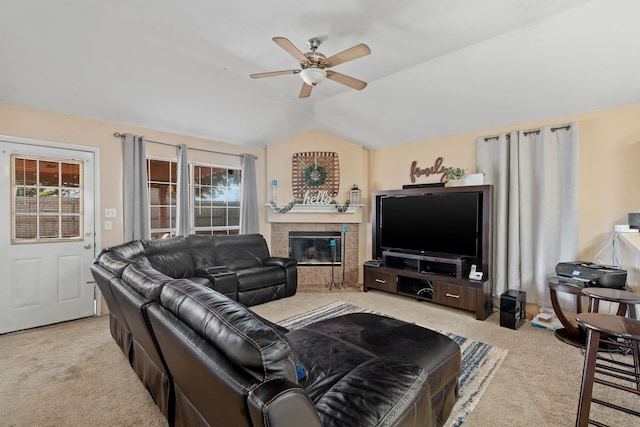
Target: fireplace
315, 248
312, 277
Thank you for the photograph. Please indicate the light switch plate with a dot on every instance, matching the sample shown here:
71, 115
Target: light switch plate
110, 213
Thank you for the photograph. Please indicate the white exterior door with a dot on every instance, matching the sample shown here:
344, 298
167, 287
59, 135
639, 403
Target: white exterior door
47, 236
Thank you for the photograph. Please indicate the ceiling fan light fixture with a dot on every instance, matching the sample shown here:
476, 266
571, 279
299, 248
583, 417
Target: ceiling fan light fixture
313, 75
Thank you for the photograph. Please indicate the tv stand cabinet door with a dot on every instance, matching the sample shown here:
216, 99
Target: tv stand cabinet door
379, 278
453, 295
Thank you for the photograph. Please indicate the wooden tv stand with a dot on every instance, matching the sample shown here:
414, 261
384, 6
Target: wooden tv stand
440, 280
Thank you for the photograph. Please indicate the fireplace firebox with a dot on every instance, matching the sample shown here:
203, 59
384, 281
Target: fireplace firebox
315, 248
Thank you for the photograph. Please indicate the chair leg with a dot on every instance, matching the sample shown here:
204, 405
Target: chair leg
635, 349
588, 373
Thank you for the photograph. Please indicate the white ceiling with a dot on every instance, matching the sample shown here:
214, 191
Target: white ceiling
437, 67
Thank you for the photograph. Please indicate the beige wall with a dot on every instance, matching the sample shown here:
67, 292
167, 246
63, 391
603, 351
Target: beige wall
609, 172
42, 125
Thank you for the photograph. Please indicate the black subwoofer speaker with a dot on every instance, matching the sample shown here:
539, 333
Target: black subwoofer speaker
513, 309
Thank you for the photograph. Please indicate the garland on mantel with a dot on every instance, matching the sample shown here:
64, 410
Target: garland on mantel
286, 208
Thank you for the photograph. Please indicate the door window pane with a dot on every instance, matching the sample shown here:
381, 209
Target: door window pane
46, 202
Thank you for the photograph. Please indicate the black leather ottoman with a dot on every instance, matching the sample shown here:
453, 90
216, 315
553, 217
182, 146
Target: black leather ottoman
388, 338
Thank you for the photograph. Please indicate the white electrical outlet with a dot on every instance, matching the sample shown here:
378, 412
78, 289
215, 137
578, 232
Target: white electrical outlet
108, 225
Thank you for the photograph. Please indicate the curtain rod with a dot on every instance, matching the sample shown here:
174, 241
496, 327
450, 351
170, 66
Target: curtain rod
527, 132
121, 135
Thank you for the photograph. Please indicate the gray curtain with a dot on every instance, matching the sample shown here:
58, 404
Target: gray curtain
249, 223
183, 217
535, 209
135, 205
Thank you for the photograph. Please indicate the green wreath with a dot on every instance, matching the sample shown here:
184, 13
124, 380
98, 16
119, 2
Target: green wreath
315, 176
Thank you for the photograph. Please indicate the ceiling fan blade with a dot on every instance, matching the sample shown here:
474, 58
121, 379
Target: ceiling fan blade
291, 49
305, 91
346, 80
273, 74
355, 52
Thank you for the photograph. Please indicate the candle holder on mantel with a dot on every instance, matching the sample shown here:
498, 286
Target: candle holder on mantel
332, 283
274, 187
343, 256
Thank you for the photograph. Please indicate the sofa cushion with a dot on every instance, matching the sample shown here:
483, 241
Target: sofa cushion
170, 256
117, 258
202, 250
145, 279
241, 251
254, 346
378, 392
259, 277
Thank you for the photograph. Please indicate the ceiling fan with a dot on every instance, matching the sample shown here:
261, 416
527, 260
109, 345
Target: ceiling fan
314, 66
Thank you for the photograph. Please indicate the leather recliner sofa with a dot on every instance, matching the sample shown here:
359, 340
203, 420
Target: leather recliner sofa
131, 275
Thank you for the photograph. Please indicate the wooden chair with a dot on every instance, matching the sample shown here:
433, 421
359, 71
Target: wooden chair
627, 300
605, 326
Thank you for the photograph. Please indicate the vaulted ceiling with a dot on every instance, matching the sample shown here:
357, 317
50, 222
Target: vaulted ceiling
437, 67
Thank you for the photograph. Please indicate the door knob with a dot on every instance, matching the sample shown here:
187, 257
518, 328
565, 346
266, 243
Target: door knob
87, 246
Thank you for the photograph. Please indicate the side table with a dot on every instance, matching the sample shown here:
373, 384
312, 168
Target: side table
571, 333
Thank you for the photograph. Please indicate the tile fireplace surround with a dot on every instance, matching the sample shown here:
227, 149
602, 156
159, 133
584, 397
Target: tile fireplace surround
315, 278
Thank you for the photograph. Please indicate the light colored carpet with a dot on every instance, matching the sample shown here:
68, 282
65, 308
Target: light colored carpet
74, 374
480, 361
71, 374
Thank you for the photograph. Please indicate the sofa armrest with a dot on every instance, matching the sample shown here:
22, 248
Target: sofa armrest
280, 261
291, 272
222, 280
206, 272
281, 403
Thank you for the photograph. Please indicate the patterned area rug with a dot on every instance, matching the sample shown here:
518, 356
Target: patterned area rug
480, 361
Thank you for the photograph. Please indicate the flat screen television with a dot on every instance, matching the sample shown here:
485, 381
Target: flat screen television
447, 224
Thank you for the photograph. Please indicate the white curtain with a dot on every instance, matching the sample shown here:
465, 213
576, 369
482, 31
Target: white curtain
183, 223
535, 210
249, 223
135, 206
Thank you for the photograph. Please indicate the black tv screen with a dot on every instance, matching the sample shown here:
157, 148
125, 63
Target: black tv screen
446, 224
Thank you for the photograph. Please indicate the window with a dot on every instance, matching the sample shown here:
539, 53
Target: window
161, 178
216, 200
46, 199
214, 193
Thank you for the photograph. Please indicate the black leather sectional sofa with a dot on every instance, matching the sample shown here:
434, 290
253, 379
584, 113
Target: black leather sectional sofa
207, 359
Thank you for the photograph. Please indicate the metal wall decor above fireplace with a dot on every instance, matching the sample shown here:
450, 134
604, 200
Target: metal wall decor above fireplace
314, 248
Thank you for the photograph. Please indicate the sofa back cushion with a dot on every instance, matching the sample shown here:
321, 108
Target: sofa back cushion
145, 279
254, 346
115, 259
170, 256
241, 251
202, 250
